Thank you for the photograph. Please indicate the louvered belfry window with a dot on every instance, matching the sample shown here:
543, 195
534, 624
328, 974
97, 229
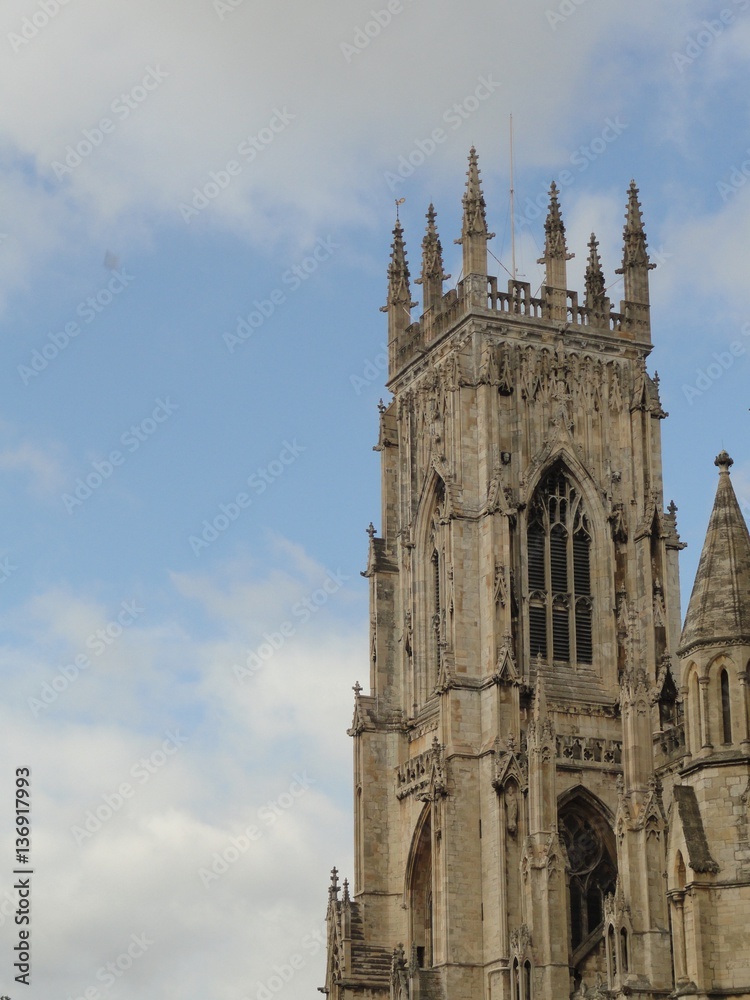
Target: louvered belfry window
559, 573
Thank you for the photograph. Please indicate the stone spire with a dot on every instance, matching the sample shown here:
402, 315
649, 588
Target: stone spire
398, 304
596, 300
719, 609
555, 258
433, 275
474, 234
635, 262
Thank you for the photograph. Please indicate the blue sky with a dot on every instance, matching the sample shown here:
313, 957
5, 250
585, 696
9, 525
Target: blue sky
196, 205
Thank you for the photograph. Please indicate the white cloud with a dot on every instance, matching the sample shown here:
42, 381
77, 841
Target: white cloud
43, 468
215, 82
141, 779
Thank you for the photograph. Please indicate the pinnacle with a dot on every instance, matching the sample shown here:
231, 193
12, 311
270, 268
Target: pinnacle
554, 204
633, 215
398, 267
554, 228
432, 252
595, 286
634, 236
473, 185
475, 220
398, 273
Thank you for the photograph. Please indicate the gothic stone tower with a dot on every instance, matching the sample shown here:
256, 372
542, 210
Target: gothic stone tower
515, 753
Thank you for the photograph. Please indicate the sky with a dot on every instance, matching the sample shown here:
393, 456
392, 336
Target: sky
196, 207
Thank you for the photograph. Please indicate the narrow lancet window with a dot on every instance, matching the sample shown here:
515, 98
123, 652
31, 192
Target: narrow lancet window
726, 710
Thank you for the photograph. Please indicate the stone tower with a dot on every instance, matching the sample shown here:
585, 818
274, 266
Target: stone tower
517, 745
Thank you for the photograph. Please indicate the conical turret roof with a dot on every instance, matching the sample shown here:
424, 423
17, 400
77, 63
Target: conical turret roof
719, 609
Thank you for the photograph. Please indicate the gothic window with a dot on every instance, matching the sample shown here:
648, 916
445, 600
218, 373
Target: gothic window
527, 980
624, 949
726, 711
559, 573
593, 870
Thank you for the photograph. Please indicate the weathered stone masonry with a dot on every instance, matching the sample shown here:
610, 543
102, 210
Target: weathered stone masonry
551, 777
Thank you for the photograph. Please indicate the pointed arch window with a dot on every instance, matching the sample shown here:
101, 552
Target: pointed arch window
559, 572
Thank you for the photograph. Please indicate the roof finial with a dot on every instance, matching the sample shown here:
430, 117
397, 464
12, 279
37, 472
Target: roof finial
723, 462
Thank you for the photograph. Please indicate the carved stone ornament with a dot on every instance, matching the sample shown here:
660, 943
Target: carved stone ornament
423, 776
511, 765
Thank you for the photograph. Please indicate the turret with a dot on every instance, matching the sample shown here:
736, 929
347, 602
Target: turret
709, 858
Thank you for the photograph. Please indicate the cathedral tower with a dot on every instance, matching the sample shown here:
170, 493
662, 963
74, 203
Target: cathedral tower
522, 725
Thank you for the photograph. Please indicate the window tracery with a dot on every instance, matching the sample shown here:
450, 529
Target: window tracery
559, 572
593, 871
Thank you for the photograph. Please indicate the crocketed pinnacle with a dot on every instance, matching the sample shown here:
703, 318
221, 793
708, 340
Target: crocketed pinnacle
719, 609
595, 286
398, 269
475, 207
554, 229
432, 252
634, 237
